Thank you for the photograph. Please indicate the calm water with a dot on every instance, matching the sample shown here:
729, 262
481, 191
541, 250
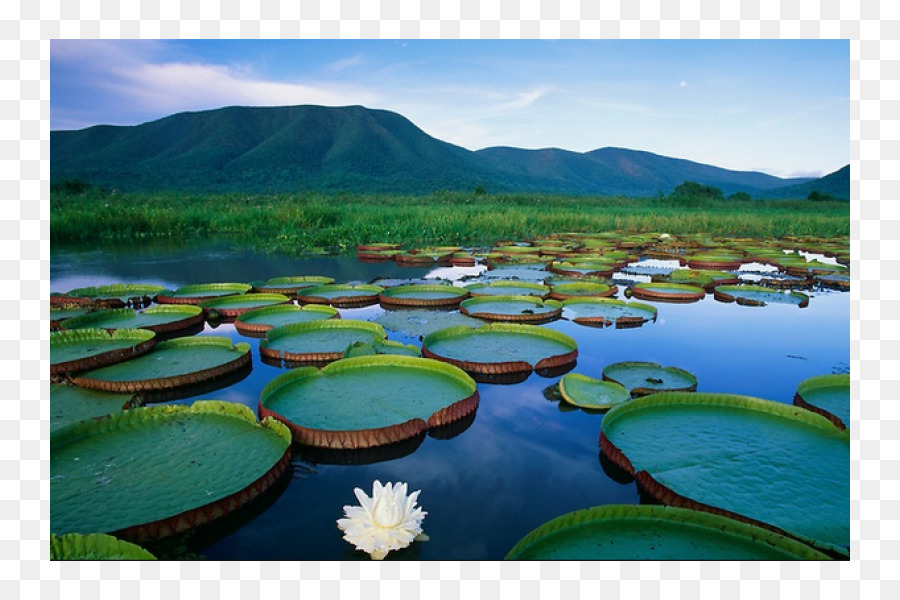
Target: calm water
524, 458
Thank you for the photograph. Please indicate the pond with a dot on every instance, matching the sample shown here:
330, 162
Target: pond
525, 457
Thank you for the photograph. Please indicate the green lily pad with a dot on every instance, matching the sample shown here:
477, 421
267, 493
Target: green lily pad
777, 465
60, 313
650, 532
596, 267
148, 473
94, 546
501, 348
642, 378
368, 401
668, 292
587, 392
232, 306
120, 294
289, 286
171, 364
563, 291
520, 309
603, 312
341, 295
381, 347
756, 295
705, 278
714, 261
258, 321
422, 295
70, 404
81, 349
197, 293
828, 395
317, 341
509, 288
419, 322
161, 318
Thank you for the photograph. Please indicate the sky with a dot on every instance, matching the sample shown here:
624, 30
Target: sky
777, 106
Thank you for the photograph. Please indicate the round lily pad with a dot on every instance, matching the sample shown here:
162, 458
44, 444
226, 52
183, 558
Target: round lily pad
668, 292
197, 293
773, 464
757, 295
368, 401
519, 309
162, 318
563, 291
381, 347
714, 261
231, 306
594, 268
94, 546
341, 295
148, 473
828, 395
120, 294
642, 378
587, 392
509, 288
82, 349
71, 403
289, 286
422, 295
501, 348
603, 312
173, 363
258, 321
61, 312
419, 322
317, 341
651, 532
706, 278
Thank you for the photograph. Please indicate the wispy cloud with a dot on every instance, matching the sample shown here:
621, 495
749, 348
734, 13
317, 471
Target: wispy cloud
345, 63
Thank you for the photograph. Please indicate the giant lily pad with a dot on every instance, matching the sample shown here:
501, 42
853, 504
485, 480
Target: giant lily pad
509, 288
642, 378
197, 293
289, 286
81, 349
94, 546
705, 278
258, 321
171, 364
756, 295
651, 532
341, 295
828, 395
602, 312
563, 291
148, 473
120, 294
519, 309
61, 312
668, 292
773, 464
422, 295
587, 392
368, 401
71, 403
161, 319
501, 348
235, 305
317, 341
419, 322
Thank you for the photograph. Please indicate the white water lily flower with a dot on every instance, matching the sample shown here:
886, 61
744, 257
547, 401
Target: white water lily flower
389, 520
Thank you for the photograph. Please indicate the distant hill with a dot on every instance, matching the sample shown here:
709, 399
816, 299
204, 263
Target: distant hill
836, 184
356, 149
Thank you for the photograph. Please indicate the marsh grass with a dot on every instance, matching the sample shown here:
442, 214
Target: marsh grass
300, 222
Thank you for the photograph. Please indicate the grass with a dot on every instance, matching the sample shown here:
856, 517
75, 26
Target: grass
301, 222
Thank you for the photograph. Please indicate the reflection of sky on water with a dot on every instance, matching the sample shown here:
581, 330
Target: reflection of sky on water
522, 461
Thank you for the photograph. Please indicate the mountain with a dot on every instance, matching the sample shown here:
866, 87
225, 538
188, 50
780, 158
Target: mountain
356, 149
836, 184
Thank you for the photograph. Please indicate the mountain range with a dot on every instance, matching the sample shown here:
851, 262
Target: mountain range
357, 149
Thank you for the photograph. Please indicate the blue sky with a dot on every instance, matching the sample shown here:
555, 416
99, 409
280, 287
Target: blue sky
778, 106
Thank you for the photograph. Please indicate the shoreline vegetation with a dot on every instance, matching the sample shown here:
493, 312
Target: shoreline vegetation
302, 222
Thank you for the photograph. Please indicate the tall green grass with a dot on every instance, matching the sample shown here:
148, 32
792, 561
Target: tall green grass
301, 222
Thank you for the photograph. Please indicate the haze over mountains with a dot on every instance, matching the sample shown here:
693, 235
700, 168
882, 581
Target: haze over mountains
356, 149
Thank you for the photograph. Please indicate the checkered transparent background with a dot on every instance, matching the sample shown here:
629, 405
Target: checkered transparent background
27, 27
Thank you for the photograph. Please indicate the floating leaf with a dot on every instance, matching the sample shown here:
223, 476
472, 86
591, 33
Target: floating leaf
94, 546
70, 404
418, 323
602, 312
587, 392
520, 309
756, 295
81, 349
422, 295
509, 288
341, 295
828, 395
161, 319
317, 341
258, 321
668, 292
197, 293
233, 306
642, 378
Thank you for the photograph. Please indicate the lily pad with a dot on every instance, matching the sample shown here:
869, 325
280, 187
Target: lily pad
595, 268
61, 312
197, 293
603, 312
161, 319
148, 473
173, 363
94, 546
317, 341
509, 288
773, 464
289, 286
70, 404
723, 262
642, 378
706, 279
368, 401
419, 322
668, 292
381, 347
563, 291
519, 309
258, 321
828, 395
756, 295
120, 294
341, 295
82, 349
501, 348
235, 305
422, 295
587, 392
650, 532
